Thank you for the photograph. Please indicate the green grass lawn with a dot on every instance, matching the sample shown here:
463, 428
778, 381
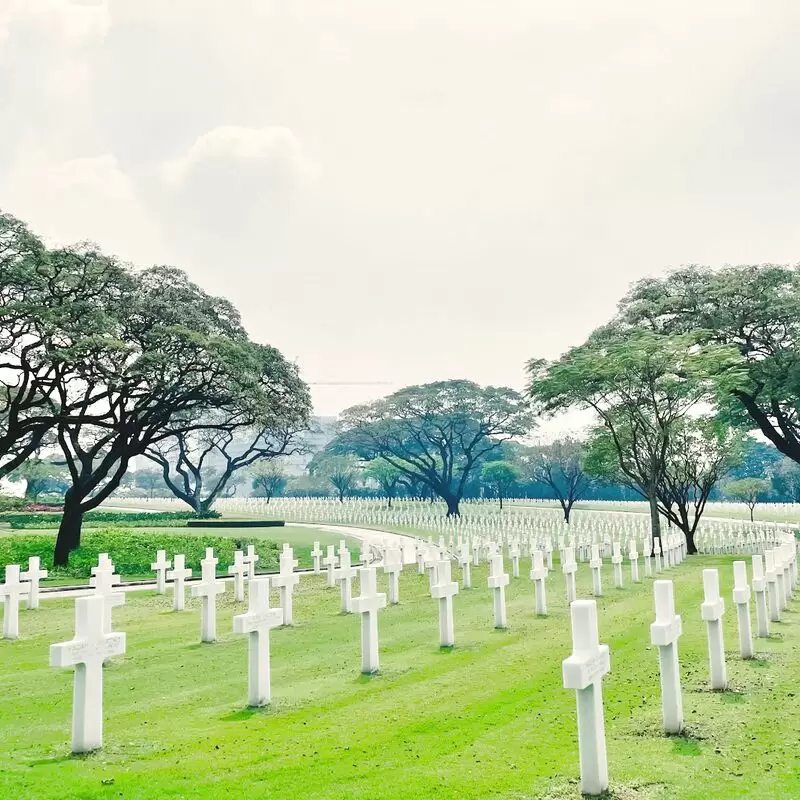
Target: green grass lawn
487, 719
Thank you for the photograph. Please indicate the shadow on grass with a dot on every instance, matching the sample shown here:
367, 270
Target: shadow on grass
246, 713
364, 677
684, 744
62, 759
445, 649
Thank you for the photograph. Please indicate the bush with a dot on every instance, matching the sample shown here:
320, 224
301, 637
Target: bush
10, 503
131, 551
95, 519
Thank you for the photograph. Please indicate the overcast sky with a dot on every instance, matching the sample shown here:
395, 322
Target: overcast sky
402, 191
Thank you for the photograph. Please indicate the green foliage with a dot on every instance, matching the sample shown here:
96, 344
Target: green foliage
10, 503
438, 433
93, 519
341, 471
131, 550
500, 476
42, 477
748, 490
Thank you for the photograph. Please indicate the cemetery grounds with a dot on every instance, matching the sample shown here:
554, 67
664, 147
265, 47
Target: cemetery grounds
486, 719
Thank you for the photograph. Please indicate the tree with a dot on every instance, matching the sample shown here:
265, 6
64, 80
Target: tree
748, 491
641, 386
786, 479
388, 477
338, 470
753, 309
559, 466
41, 477
500, 477
53, 305
436, 433
149, 480
268, 480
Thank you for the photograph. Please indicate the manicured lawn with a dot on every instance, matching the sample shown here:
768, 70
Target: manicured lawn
487, 719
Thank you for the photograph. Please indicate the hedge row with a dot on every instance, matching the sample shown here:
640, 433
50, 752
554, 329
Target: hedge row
95, 519
132, 551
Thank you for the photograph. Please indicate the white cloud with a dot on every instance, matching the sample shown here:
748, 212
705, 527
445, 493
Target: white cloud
73, 20
273, 151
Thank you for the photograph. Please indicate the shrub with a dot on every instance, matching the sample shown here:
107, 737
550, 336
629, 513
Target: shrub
10, 503
95, 519
131, 551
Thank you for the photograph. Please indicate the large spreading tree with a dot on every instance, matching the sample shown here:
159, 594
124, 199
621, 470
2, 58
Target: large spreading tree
437, 434
643, 387
754, 309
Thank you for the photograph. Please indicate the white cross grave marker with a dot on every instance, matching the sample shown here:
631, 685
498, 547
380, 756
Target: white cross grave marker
32, 576
634, 557
178, 574
712, 611
741, 596
569, 567
772, 587
257, 623
104, 580
286, 580
596, 565
330, 564
616, 560
465, 562
208, 589
251, 559
657, 553
11, 592
367, 604
316, 556
393, 566
87, 651
759, 588
160, 567
444, 590
664, 634
239, 570
583, 671
498, 580
538, 576
344, 575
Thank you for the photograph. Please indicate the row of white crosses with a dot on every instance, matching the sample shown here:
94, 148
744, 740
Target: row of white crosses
16, 587
584, 669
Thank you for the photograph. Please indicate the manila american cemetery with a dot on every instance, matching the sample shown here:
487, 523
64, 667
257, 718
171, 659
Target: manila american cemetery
208, 592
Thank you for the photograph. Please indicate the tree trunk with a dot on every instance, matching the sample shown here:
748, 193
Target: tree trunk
452, 506
501, 501
752, 509
691, 547
390, 501
655, 520
567, 509
69, 531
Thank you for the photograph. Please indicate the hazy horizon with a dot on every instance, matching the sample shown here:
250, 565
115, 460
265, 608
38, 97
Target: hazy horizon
397, 192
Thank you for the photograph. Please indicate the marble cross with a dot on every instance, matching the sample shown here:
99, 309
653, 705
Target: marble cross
616, 560
634, 557
759, 589
208, 589
12, 591
316, 556
330, 562
497, 581
393, 566
239, 570
464, 561
569, 567
251, 559
513, 554
712, 611
104, 580
178, 574
160, 567
538, 576
664, 634
596, 565
657, 552
257, 623
583, 671
741, 597
444, 590
286, 580
32, 576
772, 587
344, 575
91, 646
367, 604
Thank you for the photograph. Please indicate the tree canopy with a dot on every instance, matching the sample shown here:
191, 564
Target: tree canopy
436, 433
